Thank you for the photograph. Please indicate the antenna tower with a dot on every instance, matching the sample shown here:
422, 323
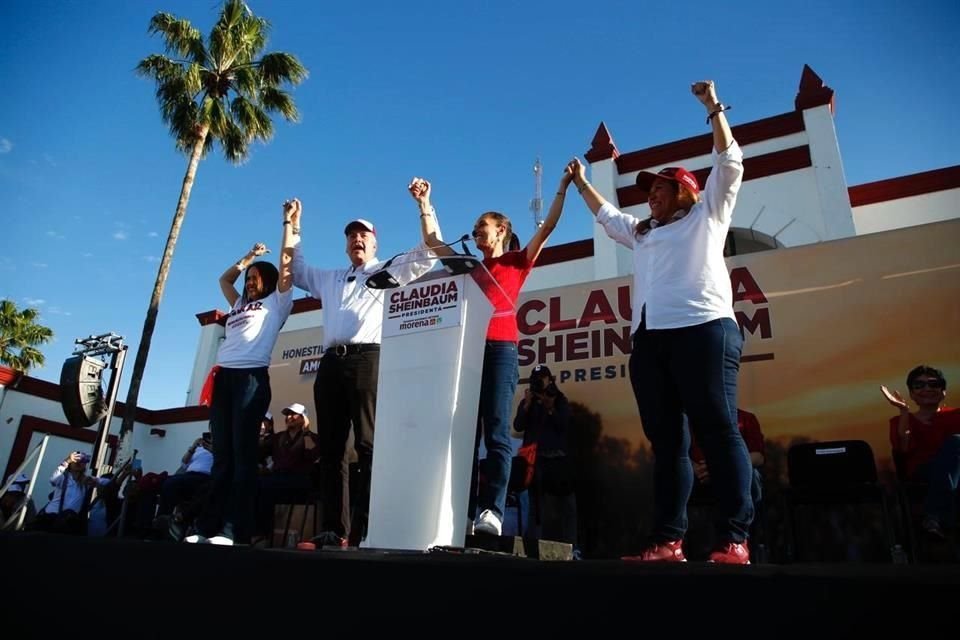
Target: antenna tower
536, 204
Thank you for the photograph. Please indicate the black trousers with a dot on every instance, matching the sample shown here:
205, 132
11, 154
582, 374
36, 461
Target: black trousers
345, 395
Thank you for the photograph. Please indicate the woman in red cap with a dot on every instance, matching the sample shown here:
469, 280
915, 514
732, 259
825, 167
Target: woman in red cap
686, 343
509, 266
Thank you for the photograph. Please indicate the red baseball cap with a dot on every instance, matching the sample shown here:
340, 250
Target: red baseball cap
676, 174
360, 222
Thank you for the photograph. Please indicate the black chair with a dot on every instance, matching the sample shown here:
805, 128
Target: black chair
832, 473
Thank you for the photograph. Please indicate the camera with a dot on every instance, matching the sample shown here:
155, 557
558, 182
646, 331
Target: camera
544, 386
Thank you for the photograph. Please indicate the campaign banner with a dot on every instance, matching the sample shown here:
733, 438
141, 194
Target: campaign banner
423, 307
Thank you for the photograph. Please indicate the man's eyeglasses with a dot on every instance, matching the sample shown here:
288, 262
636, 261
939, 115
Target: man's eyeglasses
927, 384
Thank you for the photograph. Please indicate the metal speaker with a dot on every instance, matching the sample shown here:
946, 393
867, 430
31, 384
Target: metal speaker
81, 393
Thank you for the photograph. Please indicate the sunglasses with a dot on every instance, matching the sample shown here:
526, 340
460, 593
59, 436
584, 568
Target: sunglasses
927, 384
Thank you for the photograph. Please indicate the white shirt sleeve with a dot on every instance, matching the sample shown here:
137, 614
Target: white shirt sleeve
305, 276
619, 226
416, 262
723, 183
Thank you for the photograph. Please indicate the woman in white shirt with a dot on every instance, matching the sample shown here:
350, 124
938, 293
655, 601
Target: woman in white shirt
241, 386
686, 342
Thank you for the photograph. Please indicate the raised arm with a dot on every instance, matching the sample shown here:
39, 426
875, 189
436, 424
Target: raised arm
706, 93
233, 272
291, 221
553, 216
903, 421
722, 185
429, 226
591, 197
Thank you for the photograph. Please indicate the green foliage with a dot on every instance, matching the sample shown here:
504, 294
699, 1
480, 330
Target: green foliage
20, 335
226, 85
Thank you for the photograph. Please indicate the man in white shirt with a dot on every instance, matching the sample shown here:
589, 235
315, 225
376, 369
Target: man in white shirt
66, 511
194, 477
345, 389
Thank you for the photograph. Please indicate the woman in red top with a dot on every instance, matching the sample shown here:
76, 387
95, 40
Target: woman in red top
509, 269
928, 442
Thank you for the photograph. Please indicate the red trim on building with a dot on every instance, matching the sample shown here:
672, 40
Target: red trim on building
813, 92
565, 252
213, 316
302, 305
760, 166
39, 388
602, 147
905, 186
8, 376
51, 391
756, 131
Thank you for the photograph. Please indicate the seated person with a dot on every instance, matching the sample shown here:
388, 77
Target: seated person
66, 511
753, 437
266, 443
13, 500
543, 417
189, 483
294, 452
926, 443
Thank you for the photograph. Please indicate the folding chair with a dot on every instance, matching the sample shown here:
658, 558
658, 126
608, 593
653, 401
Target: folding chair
832, 473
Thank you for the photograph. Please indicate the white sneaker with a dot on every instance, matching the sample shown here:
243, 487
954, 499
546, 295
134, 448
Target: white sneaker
488, 523
196, 538
221, 540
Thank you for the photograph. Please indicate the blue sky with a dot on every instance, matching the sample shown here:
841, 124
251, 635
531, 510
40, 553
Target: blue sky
464, 94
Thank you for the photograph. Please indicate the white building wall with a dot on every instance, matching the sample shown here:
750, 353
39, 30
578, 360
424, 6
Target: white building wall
907, 212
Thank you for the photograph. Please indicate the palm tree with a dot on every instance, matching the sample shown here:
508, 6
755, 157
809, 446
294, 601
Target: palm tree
221, 91
20, 335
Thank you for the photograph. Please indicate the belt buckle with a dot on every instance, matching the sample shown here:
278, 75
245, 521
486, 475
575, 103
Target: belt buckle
340, 350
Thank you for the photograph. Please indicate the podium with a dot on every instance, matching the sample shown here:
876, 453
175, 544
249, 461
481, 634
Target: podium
431, 362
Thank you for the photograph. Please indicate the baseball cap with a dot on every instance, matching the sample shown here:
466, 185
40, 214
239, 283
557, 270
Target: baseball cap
675, 174
297, 408
366, 224
541, 370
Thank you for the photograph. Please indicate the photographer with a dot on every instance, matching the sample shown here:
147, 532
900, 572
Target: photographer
543, 418
67, 510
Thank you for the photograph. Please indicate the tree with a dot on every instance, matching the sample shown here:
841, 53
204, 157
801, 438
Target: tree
222, 91
20, 335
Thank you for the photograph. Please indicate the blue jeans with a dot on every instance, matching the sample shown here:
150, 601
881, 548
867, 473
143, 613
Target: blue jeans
942, 474
693, 370
498, 385
240, 399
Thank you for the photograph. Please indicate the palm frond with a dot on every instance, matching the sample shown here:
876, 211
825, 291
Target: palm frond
277, 68
30, 357
254, 122
278, 101
246, 81
179, 36
20, 334
235, 144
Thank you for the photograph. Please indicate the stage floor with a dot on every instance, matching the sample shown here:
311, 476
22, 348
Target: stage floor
167, 589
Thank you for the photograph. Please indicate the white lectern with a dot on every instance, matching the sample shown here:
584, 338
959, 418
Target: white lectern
431, 361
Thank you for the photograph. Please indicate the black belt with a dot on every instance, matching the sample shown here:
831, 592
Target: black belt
342, 350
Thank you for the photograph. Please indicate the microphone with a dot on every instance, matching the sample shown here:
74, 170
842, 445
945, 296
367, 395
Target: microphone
455, 265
